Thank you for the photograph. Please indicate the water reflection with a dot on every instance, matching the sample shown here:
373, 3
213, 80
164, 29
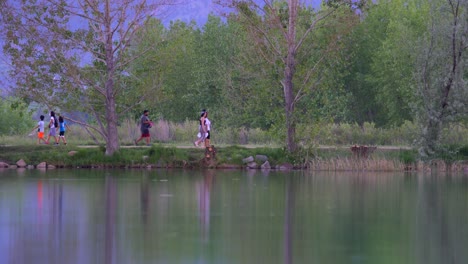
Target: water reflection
217, 216
203, 192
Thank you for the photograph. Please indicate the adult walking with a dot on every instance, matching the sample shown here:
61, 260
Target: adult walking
208, 128
201, 129
145, 125
53, 124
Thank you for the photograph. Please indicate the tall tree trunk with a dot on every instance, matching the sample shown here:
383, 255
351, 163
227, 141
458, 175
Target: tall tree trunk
430, 136
289, 108
289, 72
112, 139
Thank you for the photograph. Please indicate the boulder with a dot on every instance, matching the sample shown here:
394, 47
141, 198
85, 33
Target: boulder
286, 166
265, 166
252, 165
21, 163
261, 158
41, 165
248, 159
4, 165
51, 167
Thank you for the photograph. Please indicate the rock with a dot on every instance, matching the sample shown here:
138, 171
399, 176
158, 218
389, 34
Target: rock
30, 167
4, 165
51, 167
261, 158
265, 166
286, 166
252, 165
248, 159
41, 165
21, 163
13, 167
72, 153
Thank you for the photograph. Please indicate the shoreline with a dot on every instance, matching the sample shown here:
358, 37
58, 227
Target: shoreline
158, 156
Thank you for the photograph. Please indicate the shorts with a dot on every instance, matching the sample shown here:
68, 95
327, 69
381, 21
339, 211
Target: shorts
145, 133
207, 134
40, 135
52, 131
62, 133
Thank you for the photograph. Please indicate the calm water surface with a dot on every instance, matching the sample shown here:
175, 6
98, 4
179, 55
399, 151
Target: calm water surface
160, 216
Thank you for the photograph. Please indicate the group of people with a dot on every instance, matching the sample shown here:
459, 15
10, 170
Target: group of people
53, 124
203, 134
145, 124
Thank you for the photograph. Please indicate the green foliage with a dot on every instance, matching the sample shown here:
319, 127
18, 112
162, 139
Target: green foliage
166, 154
15, 117
408, 157
380, 78
442, 90
463, 152
235, 154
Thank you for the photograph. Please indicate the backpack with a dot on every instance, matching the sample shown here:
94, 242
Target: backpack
55, 122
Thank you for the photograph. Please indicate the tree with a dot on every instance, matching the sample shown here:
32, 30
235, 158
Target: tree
441, 72
280, 34
71, 54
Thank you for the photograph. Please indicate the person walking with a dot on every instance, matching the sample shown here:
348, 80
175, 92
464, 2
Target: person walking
145, 125
208, 128
62, 126
53, 124
40, 130
201, 129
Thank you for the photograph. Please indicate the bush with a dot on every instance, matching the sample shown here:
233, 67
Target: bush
15, 117
408, 157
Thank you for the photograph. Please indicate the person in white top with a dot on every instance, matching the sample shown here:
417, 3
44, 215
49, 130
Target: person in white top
53, 123
208, 128
40, 130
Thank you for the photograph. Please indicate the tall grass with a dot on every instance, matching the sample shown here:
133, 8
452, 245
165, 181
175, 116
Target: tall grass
308, 135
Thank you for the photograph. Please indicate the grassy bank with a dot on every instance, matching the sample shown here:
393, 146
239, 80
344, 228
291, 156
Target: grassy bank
166, 156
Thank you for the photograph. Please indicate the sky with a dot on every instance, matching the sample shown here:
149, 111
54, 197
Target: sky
197, 10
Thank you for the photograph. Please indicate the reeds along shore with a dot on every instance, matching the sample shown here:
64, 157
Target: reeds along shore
372, 164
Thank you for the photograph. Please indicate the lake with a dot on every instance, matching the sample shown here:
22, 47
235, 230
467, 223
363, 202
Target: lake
216, 216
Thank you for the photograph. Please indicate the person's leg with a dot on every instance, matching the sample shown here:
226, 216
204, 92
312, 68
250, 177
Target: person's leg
62, 136
140, 138
207, 139
54, 134
201, 139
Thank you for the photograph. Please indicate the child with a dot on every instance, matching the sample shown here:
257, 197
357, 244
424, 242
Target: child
40, 130
62, 126
52, 128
